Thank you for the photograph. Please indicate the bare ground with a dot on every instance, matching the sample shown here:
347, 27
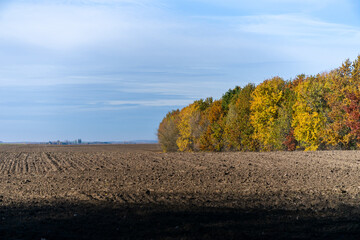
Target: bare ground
137, 192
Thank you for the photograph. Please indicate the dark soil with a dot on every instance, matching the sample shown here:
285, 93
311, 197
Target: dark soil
137, 192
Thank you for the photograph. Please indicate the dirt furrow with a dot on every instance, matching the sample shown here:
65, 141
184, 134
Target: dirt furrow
20, 166
39, 165
51, 163
109, 162
68, 160
4, 162
33, 164
2, 158
95, 161
26, 164
62, 161
75, 163
82, 162
12, 163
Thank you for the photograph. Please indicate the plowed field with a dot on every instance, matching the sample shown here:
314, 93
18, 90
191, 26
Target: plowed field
137, 192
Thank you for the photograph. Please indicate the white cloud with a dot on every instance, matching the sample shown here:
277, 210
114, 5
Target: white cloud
152, 103
58, 27
63, 25
295, 26
274, 5
303, 38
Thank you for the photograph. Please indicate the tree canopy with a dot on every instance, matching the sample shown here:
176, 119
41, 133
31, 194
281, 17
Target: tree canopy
307, 113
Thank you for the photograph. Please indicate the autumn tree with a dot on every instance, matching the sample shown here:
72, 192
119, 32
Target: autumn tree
266, 109
286, 113
310, 110
290, 141
353, 116
212, 139
199, 121
351, 102
355, 73
338, 83
238, 129
168, 132
192, 125
227, 98
185, 141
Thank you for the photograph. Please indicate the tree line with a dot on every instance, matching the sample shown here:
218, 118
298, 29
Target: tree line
316, 112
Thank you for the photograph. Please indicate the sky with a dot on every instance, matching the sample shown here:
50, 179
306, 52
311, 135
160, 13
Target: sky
110, 70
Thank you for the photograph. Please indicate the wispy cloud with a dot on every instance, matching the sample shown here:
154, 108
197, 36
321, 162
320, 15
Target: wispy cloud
64, 25
294, 25
59, 27
152, 103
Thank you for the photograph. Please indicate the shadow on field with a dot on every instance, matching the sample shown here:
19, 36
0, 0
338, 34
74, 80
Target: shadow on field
90, 221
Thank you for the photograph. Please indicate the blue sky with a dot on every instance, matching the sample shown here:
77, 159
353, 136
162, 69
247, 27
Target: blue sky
110, 70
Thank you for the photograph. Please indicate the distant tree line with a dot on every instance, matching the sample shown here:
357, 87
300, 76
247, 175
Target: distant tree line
306, 113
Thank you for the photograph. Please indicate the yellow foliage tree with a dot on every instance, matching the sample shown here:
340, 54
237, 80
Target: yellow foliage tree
309, 119
185, 141
265, 110
192, 124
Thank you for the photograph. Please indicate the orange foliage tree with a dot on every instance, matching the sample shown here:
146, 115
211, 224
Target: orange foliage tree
212, 139
238, 129
353, 113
